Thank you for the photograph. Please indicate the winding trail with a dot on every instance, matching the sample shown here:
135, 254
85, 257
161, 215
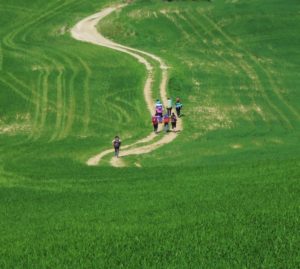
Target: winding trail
86, 31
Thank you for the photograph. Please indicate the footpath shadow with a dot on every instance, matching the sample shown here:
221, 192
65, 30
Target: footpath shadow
175, 131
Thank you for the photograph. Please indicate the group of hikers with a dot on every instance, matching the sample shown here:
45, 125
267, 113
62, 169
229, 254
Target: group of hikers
169, 116
157, 118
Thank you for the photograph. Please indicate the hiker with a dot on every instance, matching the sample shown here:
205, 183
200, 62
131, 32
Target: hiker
157, 103
155, 123
117, 144
166, 122
173, 121
158, 108
169, 106
160, 118
178, 107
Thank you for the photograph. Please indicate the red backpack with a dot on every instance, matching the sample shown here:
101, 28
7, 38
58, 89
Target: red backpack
154, 120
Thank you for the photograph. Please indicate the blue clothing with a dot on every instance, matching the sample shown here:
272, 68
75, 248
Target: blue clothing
178, 105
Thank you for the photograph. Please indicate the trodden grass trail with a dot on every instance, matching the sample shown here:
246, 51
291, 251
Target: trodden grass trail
223, 194
86, 31
236, 74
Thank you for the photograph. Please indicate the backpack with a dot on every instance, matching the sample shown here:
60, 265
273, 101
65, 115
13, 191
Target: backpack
154, 120
117, 143
166, 119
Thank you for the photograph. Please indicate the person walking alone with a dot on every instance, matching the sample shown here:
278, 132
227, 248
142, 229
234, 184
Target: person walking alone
117, 144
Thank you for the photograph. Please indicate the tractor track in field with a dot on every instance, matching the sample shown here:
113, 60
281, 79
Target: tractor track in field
86, 31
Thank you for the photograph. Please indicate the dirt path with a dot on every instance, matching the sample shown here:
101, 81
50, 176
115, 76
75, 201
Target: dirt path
86, 31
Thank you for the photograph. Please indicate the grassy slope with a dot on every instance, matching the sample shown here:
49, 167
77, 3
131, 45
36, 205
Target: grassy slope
59, 93
235, 69
234, 205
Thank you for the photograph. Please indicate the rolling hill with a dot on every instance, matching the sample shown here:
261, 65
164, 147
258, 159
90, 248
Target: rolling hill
223, 194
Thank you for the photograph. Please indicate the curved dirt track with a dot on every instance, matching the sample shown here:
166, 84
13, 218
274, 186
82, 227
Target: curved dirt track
86, 31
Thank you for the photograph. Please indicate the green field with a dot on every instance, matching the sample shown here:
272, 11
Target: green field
224, 194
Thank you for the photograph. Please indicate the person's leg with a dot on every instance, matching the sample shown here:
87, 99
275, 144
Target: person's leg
117, 152
166, 127
177, 111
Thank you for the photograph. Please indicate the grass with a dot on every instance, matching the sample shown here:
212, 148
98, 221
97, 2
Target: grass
58, 92
196, 217
224, 194
228, 70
